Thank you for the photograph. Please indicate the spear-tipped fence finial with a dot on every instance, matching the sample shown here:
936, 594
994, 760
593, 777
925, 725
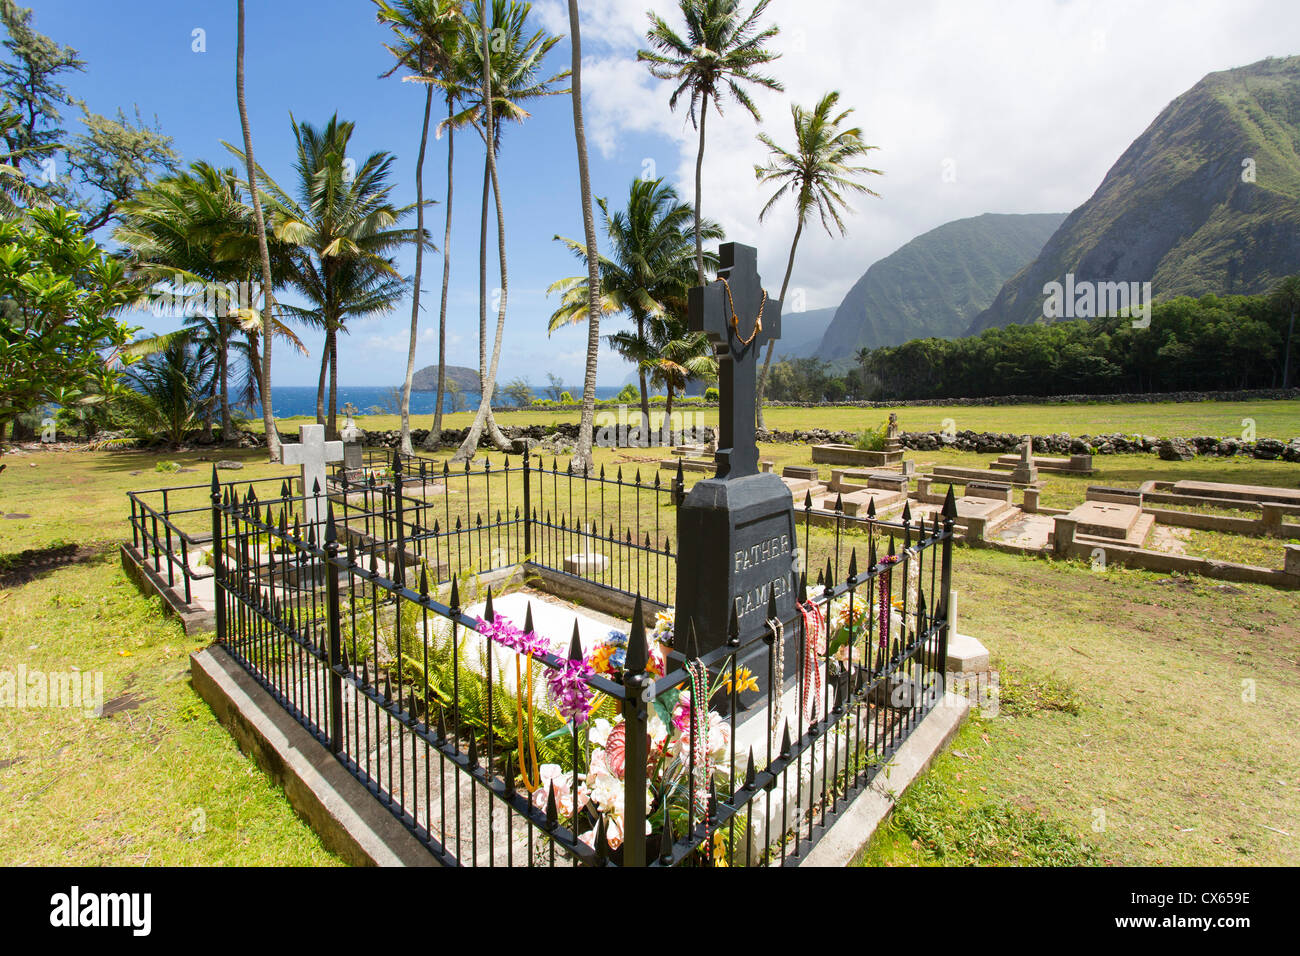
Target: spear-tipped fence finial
950, 506
638, 652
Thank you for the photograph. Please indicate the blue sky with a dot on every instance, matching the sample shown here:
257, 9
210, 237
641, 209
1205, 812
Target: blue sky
1014, 106
318, 58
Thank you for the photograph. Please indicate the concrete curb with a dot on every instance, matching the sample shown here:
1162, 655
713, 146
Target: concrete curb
856, 825
348, 819
147, 579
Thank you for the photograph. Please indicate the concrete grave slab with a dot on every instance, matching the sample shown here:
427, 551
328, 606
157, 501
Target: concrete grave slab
1105, 519
1228, 490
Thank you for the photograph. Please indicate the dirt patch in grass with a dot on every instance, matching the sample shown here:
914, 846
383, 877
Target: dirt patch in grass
17, 569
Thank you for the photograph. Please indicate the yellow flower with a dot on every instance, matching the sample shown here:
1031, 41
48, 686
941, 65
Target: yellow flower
720, 849
600, 660
745, 680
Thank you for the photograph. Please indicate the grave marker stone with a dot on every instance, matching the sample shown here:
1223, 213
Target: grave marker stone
1026, 471
892, 442
312, 453
736, 530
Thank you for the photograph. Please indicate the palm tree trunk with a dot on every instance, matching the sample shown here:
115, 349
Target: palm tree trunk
487, 382
493, 429
331, 431
771, 343
255, 361
645, 393
645, 409
469, 446
320, 385
699, 182
268, 301
582, 458
419, 266
435, 435
223, 368
482, 273
668, 417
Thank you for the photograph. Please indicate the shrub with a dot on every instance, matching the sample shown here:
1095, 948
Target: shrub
871, 439
566, 398
710, 394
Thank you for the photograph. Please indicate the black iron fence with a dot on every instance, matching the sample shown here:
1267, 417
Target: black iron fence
615, 530
171, 530
499, 745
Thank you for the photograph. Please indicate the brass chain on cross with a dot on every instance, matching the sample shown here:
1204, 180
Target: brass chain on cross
735, 319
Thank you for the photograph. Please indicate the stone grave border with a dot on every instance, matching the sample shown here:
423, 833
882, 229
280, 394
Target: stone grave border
252, 601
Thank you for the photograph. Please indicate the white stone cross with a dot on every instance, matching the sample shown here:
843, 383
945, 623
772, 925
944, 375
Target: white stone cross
313, 452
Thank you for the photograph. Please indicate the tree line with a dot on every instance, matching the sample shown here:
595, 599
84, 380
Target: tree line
1208, 344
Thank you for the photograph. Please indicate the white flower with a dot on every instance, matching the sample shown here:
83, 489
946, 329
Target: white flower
553, 777
606, 792
718, 743
599, 732
657, 730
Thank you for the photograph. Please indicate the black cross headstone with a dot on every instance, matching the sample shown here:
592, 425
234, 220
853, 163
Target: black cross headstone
728, 310
736, 533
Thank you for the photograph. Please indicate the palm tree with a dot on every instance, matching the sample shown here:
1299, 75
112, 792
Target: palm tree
717, 55
818, 172
344, 227
678, 357
195, 227
647, 274
167, 394
504, 60
268, 300
428, 35
583, 456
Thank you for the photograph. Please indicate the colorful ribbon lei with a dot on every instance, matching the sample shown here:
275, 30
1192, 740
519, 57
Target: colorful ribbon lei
886, 588
699, 680
814, 629
778, 645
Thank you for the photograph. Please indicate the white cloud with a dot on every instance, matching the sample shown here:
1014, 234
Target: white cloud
1031, 101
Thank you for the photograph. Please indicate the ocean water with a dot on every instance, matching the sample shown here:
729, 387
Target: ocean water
301, 399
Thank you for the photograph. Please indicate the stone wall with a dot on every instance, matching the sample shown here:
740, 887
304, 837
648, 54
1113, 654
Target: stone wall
1001, 443
553, 437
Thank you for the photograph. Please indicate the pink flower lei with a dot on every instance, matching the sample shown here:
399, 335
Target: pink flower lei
570, 691
503, 631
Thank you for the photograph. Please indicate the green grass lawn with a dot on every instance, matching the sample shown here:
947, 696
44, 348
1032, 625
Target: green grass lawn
1160, 737
1142, 721
1273, 419
159, 781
